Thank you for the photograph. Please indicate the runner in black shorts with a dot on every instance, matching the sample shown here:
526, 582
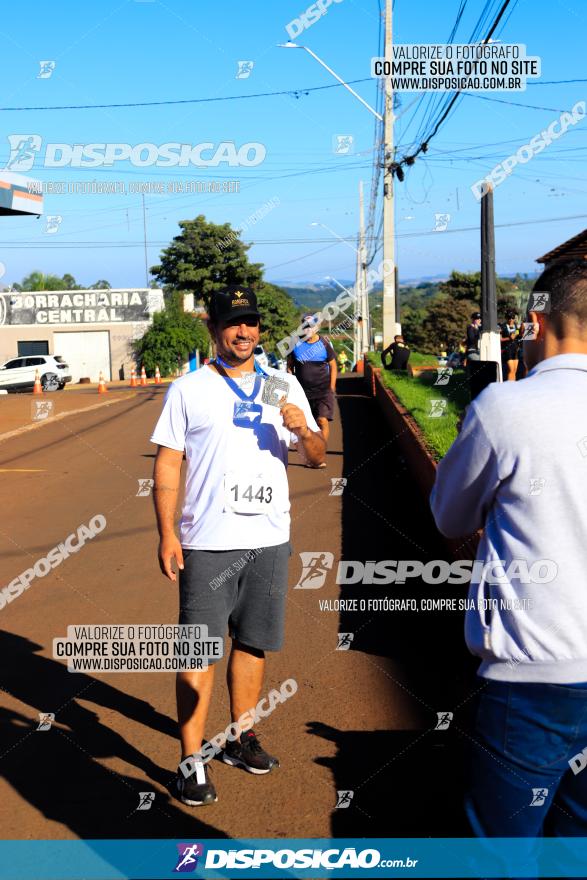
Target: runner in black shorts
509, 348
313, 362
234, 421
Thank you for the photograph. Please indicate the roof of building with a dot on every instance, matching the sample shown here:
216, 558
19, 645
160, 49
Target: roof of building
574, 248
19, 195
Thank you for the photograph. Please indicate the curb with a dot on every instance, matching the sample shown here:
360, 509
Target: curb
57, 418
411, 442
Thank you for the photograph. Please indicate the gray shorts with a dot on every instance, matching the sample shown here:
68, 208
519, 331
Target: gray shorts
323, 407
242, 591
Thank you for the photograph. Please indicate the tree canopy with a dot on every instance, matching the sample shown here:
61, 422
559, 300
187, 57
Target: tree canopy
37, 280
437, 321
206, 257
279, 314
172, 336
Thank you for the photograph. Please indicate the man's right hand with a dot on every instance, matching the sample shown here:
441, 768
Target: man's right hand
169, 549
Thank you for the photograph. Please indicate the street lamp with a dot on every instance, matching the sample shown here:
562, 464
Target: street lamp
336, 235
389, 291
361, 332
290, 45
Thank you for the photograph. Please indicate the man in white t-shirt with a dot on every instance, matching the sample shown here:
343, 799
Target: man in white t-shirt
234, 422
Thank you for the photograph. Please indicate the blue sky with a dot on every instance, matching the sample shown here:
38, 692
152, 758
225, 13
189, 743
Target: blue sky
113, 52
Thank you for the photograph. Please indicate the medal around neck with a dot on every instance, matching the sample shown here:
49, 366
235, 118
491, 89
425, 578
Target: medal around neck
275, 391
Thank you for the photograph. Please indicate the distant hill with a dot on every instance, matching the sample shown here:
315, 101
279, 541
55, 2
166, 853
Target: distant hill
313, 297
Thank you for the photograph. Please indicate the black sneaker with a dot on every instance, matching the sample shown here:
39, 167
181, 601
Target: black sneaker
250, 754
196, 789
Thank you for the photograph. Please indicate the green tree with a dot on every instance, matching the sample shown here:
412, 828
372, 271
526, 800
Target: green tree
206, 257
279, 315
39, 281
69, 283
413, 329
170, 338
445, 324
463, 286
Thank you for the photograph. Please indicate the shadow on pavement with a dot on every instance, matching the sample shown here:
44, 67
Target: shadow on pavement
57, 770
416, 784
404, 783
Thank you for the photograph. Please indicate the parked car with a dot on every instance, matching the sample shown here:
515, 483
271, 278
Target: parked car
261, 357
18, 374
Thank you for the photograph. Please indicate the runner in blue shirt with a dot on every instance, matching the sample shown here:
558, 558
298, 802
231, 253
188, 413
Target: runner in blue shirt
313, 362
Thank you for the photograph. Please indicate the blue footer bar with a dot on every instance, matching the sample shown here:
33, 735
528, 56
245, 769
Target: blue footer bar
271, 859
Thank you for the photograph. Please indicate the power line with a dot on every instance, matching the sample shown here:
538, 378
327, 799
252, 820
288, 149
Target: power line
296, 93
423, 147
433, 98
513, 103
295, 241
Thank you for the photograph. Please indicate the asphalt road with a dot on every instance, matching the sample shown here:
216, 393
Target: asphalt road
362, 719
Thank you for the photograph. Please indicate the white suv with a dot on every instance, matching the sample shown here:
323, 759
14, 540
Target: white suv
18, 374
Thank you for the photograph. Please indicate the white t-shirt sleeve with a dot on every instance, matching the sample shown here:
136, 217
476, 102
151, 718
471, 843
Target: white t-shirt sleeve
171, 429
298, 398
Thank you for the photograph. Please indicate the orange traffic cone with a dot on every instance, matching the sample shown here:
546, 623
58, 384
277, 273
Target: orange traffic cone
37, 389
133, 378
157, 375
102, 384
143, 376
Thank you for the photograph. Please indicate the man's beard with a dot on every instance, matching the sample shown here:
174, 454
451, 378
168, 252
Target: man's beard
235, 357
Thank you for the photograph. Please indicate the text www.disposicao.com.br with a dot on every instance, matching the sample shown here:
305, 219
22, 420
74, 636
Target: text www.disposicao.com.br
134, 664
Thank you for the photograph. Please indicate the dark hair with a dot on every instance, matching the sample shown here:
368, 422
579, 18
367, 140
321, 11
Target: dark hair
566, 283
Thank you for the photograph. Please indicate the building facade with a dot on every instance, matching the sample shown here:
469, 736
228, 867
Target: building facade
91, 329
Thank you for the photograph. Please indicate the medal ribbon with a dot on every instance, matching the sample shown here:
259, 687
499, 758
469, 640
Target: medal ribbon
232, 384
258, 370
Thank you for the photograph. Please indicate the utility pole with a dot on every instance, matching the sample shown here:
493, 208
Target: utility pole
490, 346
362, 270
145, 240
390, 327
358, 325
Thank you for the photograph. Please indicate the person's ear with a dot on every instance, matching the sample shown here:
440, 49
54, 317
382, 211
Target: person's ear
537, 318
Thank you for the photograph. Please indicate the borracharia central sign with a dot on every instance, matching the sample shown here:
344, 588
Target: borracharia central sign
80, 306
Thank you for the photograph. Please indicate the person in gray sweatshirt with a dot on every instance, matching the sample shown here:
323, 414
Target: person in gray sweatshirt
518, 470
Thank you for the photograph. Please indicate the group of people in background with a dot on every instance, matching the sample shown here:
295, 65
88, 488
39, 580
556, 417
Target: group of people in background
397, 354
512, 353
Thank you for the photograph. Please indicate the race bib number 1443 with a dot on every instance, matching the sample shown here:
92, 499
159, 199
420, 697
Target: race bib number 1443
247, 494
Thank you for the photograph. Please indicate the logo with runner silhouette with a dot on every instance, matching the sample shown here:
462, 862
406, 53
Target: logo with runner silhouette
188, 855
314, 569
23, 150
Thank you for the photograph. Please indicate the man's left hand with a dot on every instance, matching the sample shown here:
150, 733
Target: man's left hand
294, 420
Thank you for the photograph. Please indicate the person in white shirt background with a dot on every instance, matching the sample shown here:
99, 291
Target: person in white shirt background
234, 421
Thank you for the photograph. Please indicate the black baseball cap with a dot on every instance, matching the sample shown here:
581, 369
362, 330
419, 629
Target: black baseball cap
475, 316
234, 301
